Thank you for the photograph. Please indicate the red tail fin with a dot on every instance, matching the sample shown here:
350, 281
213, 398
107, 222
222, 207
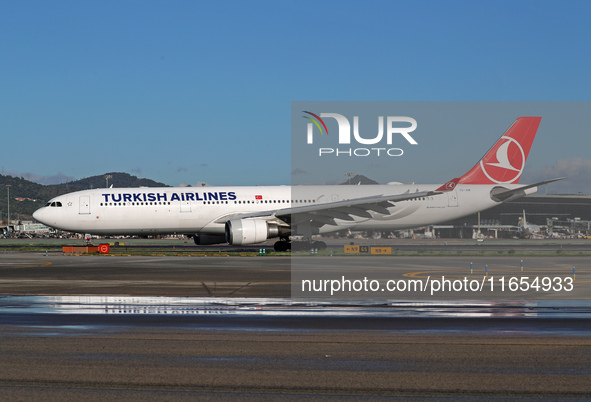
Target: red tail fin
504, 162
450, 185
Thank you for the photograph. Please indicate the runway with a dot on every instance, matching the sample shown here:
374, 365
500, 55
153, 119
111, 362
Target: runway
226, 328
336, 244
94, 347
159, 363
56, 274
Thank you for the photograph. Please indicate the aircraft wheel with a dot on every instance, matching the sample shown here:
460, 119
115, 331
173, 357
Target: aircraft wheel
320, 245
281, 246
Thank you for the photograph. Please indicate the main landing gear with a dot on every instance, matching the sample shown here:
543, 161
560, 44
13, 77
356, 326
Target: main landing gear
284, 245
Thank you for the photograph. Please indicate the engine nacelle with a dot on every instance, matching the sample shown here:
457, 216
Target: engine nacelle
205, 239
250, 231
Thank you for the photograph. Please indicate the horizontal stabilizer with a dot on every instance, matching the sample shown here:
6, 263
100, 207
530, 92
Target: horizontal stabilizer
501, 194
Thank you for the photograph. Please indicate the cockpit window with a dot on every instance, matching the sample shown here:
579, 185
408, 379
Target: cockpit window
54, 204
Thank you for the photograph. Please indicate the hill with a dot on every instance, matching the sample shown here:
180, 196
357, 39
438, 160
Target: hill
27, 196
360, 179
117, 180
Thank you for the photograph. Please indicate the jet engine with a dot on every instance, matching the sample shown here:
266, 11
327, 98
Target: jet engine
251, 231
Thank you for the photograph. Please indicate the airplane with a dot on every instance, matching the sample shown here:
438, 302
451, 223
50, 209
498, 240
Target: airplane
529, 229
245, 215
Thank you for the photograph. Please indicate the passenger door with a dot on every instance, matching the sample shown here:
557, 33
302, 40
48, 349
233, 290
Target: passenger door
84, 205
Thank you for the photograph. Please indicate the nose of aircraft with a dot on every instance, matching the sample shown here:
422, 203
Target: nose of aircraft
38, 215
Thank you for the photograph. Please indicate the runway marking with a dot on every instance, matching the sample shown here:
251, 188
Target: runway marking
9, 264
426, 274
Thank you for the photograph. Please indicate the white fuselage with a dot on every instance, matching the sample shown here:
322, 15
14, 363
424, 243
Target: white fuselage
203, 210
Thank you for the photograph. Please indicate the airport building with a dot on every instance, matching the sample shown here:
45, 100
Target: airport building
24, 228
568, 214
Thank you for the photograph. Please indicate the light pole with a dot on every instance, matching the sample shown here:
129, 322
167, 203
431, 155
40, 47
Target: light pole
349, 175
8, 201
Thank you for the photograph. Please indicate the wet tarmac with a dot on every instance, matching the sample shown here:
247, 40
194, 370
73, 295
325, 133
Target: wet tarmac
96, 347
218, 328
97, 313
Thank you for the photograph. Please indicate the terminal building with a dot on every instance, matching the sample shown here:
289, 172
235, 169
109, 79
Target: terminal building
555, 215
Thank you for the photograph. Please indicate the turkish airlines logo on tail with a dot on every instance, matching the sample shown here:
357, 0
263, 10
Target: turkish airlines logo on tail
450, 185
505, 162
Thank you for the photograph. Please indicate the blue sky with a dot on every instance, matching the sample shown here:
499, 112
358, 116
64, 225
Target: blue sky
190, 91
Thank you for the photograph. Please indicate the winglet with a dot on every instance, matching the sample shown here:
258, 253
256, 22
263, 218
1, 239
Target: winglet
450, 185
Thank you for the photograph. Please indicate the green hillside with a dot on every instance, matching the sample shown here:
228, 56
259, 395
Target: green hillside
26, 196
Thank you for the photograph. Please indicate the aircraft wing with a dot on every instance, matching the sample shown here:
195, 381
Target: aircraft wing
326, 213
